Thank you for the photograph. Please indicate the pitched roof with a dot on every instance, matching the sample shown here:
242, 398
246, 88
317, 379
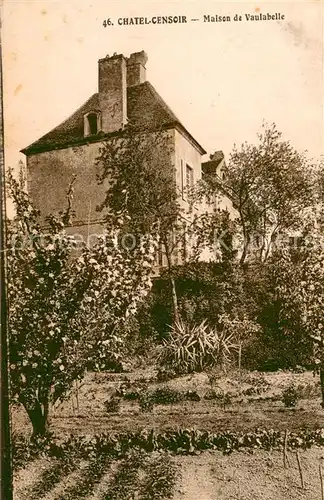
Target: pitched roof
145, 108
209, 167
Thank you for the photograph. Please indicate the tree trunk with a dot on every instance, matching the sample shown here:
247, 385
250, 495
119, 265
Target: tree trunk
175, 307
244, 254
176, 315
240, 365
322, 383
246, 239
38, 416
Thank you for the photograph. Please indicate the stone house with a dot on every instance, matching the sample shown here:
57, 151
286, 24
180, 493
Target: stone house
124, 95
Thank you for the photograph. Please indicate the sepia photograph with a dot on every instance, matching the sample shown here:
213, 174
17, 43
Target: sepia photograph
162, 250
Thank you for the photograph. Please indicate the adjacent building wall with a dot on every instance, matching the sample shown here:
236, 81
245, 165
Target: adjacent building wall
50, 174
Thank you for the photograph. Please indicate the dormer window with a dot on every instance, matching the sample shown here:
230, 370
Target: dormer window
91, 123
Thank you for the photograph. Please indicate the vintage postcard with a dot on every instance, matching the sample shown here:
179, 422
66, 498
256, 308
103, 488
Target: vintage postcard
162, 251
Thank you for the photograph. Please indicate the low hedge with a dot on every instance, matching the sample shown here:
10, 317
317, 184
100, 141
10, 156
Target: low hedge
180, 442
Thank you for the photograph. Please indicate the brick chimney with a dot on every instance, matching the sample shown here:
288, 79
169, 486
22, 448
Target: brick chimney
136, 72
112, 92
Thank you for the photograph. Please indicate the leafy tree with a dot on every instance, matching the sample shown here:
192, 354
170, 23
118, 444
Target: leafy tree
66, 303
319, 182
141, 190
240, 328
206, 290
277, 344
271, 186
301, 289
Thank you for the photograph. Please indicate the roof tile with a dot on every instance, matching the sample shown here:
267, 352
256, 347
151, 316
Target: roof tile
145, 108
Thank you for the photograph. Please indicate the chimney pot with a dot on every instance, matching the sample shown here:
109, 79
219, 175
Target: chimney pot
112, 92
136, 71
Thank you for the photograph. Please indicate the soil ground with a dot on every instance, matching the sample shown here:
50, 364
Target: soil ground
213, 476
209, 475
85, 411
242, 476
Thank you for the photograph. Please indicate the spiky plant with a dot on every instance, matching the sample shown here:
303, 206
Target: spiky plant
194, 348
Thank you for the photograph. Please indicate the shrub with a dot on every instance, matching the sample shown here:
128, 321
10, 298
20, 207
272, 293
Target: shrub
299, 369
278, 345
191, 396
25, 449
146, 402
251, 391
227, 399
131, 391
289, 396
165, 373
112, 405
212, 394
166, 395
131, 395
111, 362
205, 290
195, 348
308, 391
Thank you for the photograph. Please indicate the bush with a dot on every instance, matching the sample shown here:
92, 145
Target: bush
205, 290
165, 373
166, 396
195, 348
278, 345
290, 396
111, 363
162, 396
112, 405
309, 391
251, 391
212, 394
146, 402
191, 396
132, 391
25, 449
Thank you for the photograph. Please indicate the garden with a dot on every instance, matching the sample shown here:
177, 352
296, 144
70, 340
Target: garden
117, 429
204, 381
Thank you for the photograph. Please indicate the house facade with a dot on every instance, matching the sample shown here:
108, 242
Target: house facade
70, 149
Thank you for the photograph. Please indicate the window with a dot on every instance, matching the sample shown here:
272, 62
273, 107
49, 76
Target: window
189, 177
93, 127
91, 123
182, 179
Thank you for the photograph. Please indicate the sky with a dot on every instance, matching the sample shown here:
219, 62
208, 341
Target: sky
222, 79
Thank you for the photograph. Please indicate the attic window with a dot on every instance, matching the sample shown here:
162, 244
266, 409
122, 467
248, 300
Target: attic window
91, 123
